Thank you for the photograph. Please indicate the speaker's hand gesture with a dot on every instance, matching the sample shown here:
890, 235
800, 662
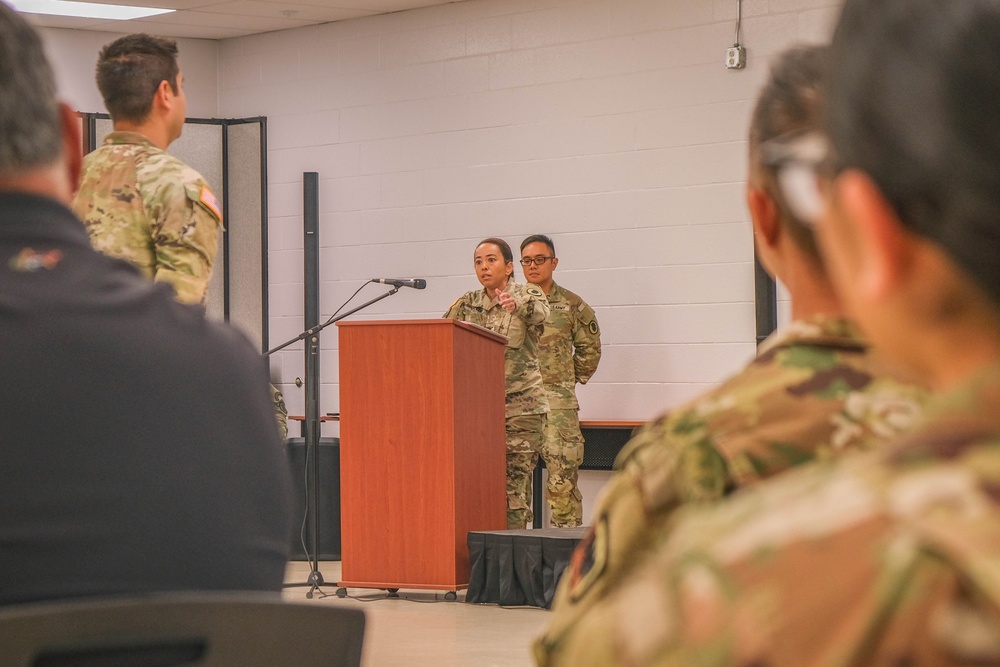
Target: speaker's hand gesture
507, 302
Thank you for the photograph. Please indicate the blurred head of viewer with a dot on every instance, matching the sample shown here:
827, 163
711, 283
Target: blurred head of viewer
145, 418
39, 137
788, 113
911, 182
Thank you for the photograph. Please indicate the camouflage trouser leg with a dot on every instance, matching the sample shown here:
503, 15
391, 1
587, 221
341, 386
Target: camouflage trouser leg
524, 439
280, 412
562, 451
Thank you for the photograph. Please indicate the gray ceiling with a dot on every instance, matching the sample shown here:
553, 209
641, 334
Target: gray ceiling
221, 19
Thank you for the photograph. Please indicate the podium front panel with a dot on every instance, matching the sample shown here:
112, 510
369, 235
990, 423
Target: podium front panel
422, 450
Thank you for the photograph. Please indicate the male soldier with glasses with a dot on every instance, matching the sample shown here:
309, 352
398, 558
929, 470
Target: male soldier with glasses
568, 353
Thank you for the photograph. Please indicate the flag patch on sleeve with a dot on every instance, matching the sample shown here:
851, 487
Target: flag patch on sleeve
210, 202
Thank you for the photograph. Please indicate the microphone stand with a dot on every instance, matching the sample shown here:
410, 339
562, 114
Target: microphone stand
312, 429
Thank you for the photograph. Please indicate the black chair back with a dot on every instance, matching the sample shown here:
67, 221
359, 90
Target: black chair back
174, 629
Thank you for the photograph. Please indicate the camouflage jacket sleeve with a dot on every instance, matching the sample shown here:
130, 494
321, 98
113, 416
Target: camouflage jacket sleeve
185, 222
811, 393
456, 311
143, 205
532, 306
665, 465
886, 558
185, 218
586, 343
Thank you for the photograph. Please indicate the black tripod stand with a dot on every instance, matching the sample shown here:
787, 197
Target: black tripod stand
312, 432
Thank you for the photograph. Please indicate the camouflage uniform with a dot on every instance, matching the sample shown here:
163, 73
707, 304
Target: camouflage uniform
143, 205
568, 353
813, 392
887, 558
280, 411
525, 397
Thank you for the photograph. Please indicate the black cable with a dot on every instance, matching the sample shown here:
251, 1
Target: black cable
305, 505
739, 18
347, 302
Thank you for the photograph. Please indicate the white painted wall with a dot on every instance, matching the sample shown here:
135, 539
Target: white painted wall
611, 125
73, 54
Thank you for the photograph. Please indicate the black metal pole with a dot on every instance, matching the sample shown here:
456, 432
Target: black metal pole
265, 305
310, 225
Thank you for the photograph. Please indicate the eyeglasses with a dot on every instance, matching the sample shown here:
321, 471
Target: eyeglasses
797, 164
537, 261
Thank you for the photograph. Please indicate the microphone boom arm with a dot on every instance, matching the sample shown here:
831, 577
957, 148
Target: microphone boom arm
335, 318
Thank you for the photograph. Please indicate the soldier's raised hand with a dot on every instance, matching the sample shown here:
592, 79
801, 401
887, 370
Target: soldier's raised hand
507, 302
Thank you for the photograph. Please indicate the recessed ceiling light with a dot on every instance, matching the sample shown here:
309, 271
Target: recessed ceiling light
87, 10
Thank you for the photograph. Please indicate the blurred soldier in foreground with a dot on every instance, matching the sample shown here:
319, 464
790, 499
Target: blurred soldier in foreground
141, 452
887, 558
568, 353
815, 390
518, 312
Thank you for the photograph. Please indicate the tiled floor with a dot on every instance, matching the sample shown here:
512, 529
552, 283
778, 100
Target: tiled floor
422, 629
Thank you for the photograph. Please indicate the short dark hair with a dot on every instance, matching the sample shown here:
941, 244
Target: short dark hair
30, 130
508, 255
539, 238
790, 104
129, 71
914, 103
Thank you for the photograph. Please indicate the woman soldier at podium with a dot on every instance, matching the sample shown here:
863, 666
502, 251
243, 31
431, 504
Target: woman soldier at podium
517, 311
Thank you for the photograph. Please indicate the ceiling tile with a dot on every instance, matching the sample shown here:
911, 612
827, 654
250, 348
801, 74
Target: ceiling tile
192, 31
162, 4
197, 17
289, 10
209, 19
74, 22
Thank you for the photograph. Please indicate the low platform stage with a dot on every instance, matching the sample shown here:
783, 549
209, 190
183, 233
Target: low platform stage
519, 567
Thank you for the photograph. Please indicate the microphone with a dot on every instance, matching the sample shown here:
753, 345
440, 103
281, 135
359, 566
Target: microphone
415, 283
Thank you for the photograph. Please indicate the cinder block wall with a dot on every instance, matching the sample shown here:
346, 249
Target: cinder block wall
612, 126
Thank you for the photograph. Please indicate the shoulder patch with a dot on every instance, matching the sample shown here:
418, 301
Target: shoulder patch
592, 327
30, 259
208, 200
534, 291
589, 560
451, 312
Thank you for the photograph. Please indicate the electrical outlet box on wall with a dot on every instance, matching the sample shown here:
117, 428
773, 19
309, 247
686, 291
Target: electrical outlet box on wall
736, 57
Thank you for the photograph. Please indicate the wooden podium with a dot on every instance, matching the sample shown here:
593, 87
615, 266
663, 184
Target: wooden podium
422, 450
